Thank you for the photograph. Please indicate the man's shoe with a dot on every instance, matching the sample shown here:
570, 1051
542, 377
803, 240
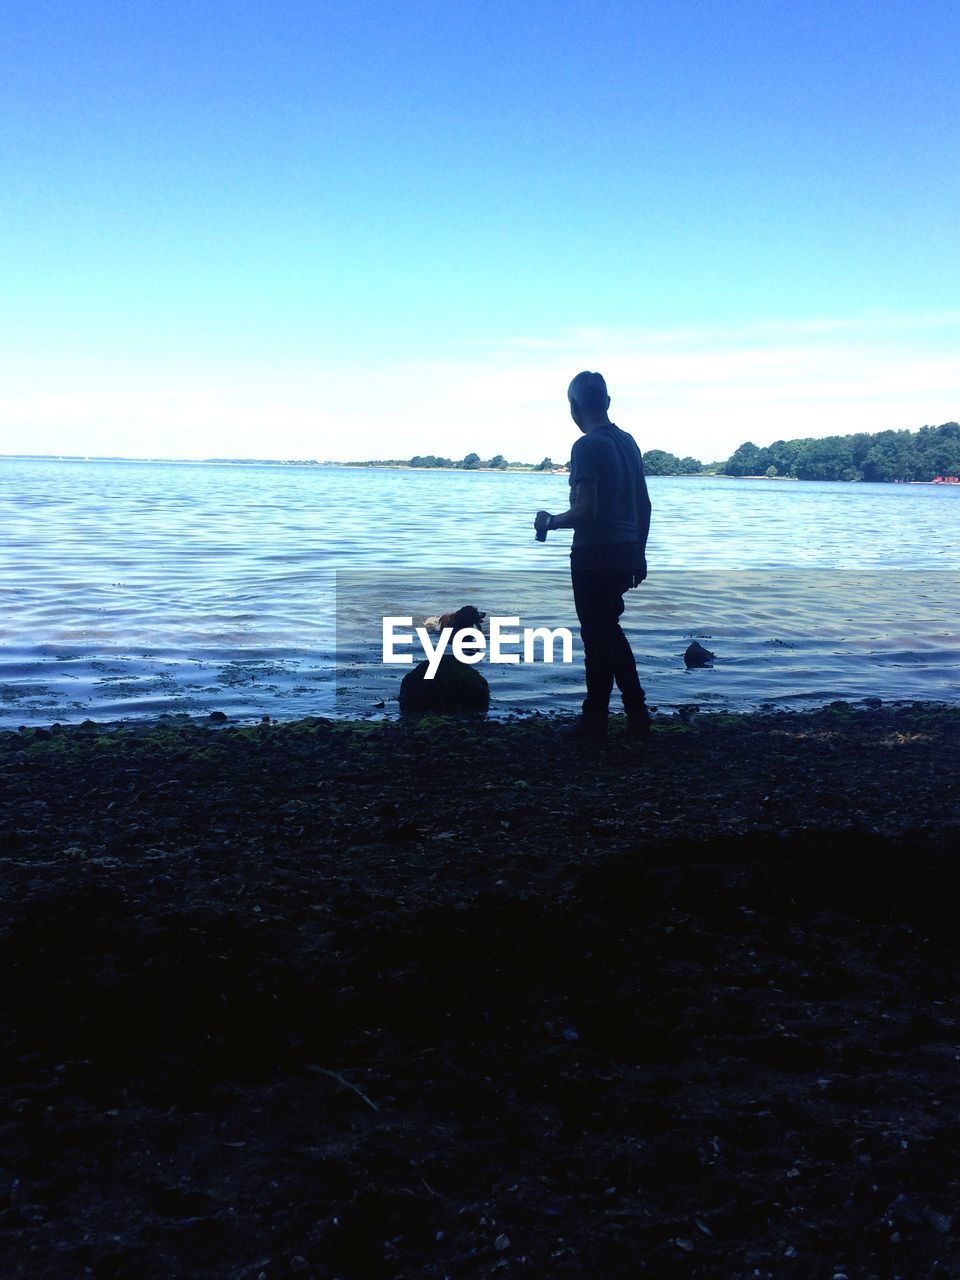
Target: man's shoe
638, 727
582, 730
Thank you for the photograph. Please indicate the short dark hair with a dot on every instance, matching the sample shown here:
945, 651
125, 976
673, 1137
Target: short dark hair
588, 391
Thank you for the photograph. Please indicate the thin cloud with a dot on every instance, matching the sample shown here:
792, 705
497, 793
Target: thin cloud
870, 325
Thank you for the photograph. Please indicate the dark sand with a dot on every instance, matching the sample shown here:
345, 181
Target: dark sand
455, 1000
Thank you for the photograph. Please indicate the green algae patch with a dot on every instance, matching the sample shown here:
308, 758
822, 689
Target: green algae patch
722, 720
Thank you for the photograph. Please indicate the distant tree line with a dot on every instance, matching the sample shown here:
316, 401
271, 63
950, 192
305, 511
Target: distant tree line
472, 462
881, 455
657, 462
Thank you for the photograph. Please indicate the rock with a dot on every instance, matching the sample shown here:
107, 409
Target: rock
217, 717
941, 1222
697, 656
904, 1210
455, 687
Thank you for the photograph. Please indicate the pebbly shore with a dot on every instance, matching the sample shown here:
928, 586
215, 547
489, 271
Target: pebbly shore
454, 998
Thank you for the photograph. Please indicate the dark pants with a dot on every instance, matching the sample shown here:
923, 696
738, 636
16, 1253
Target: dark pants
598, 597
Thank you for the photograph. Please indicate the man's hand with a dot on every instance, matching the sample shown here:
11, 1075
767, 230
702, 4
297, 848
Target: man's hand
541, 523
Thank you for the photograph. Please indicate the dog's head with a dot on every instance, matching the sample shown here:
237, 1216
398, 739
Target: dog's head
463, 618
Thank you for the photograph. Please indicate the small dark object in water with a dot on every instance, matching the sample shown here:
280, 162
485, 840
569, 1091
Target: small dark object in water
697, 656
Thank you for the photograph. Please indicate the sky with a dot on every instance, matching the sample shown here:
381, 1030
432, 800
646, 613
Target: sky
305, 229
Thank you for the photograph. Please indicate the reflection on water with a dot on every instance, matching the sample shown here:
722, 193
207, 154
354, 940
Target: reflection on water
136, 588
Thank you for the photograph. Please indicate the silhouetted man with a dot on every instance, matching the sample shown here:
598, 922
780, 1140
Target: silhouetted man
609, 514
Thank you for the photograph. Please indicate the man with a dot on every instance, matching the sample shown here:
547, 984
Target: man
609, 514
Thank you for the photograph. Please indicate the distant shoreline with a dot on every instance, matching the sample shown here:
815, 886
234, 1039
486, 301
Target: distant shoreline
527, 468
519, 468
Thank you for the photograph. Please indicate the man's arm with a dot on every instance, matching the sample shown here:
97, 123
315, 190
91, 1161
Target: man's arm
644, 509
582, 510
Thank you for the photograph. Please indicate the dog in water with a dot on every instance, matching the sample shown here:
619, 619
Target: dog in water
460, 620
455, 685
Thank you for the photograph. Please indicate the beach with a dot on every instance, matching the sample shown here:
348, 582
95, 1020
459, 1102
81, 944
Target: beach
453, 998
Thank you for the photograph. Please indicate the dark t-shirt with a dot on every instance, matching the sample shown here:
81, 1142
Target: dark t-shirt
609, 458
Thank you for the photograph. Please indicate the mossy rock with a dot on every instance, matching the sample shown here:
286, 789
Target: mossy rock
455, 687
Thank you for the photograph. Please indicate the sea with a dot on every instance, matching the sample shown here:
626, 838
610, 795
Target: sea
135, 590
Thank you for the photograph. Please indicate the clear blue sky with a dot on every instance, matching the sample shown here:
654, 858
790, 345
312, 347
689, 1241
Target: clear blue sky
341, 230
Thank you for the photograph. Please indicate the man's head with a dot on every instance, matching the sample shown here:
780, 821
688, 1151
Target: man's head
588, 398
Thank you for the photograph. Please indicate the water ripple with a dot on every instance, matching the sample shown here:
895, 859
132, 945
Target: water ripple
134, 588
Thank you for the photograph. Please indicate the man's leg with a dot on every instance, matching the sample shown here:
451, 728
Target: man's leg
598, 597
599, 606
625, 670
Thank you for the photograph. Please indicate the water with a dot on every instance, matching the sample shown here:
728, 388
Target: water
136, 589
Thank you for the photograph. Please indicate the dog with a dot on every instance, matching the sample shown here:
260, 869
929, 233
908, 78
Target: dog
459, 620
457, 686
